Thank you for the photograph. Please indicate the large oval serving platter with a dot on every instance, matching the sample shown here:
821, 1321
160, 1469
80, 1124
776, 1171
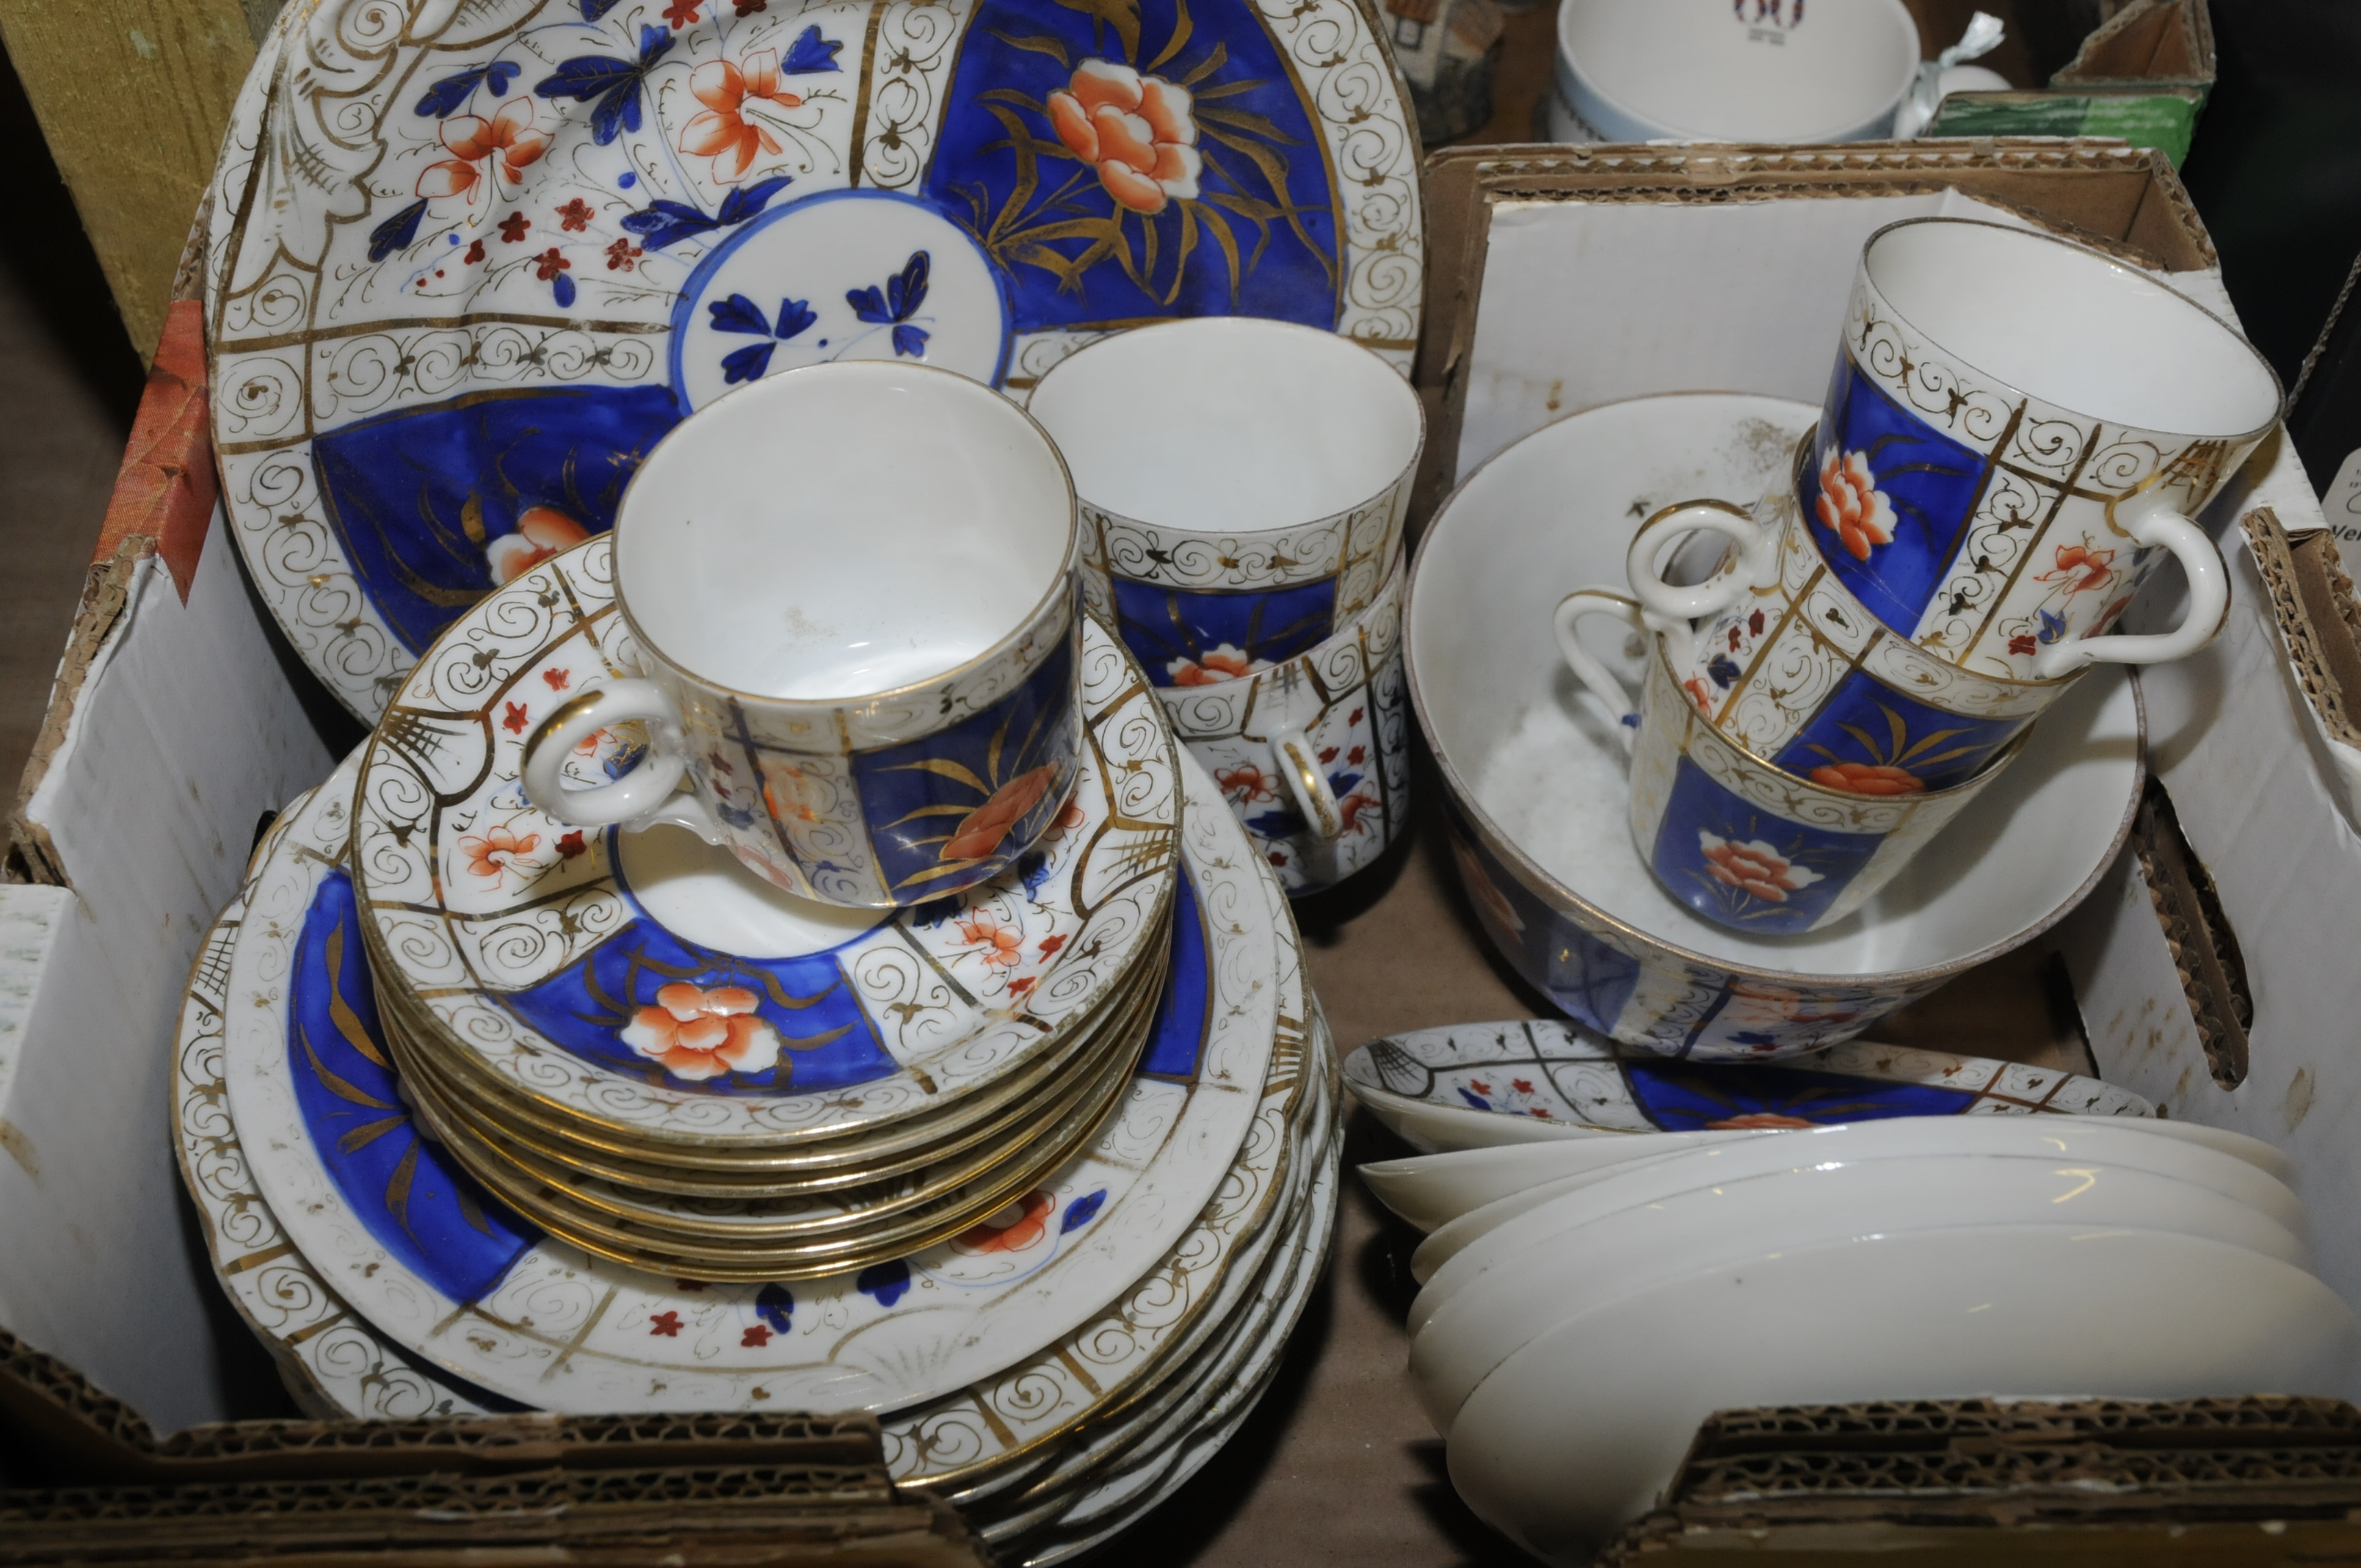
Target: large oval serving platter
467, 263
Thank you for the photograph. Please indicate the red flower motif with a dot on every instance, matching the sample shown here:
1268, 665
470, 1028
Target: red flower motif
557, 678
1698, 693
1734, 639
1004, 946
1868, 778
698, 1033
1013, 1229
512, 227
575, 216
681, 13
1219, 664
1327, 756
495, 850
747, 8
1350, 810
1755, 624
1353, 717
722, 132
507, 141
718, 764
1019, 987
1136, 130
1522, 1085
1051, 944
2023, 643
541, 533
755, 1338
1245, 783
981, 830
2081, 568
1277, 858
1754, 868
622, 256
1541, 1111
1762, 1119
1851, 506
665, 1325
475, 252
1358, 755
570, 845
550, 263
1480, 1087
516, 720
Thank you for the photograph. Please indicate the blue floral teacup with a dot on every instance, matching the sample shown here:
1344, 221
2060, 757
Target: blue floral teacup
1736, 839
2018, 431
1312, 754
849, 589
1243, 485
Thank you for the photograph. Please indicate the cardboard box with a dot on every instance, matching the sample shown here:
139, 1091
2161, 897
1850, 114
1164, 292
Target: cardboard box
179, 722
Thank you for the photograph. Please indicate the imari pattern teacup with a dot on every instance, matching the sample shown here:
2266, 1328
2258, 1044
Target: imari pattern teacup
1243, 485
1738, 839
850, 590
1312, 754
2017, 431
1796, 672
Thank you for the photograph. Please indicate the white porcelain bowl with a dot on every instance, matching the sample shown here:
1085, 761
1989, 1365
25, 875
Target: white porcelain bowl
1612, 1256
1535, 784
1755, 71
1455, 1256
1579, 1431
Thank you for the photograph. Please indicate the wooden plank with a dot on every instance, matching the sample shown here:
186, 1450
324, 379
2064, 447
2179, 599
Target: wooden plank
132, 96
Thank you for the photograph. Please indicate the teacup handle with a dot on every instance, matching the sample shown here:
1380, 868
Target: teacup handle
1668, 608
1298, 765
1572, 611
641, 798
2209, 602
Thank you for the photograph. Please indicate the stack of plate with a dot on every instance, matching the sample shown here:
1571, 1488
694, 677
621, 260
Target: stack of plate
1043, 1173
1588, 1299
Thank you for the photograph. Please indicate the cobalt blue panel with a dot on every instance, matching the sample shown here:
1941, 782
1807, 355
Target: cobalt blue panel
423, 497
1868, 721
825, 1039
1589, 980
412, 1197
1683, 1097
938, 804
1162, 626
1736, 864
1258, 234
1930, 483
1187, 1010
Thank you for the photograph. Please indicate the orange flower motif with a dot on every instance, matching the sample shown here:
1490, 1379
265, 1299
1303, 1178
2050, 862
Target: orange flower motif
1246, 784
1851, 506
1754, 867
1698, 693
507, 140
541, 533
1868, 778
1219, 664
1003, 945
495, 850
1013, 1229
1134, 130
722, 132
1761, 1119
981, 830
2081, 568
698, 1033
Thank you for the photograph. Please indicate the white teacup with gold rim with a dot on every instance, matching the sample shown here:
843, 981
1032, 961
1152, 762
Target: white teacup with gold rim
851, 590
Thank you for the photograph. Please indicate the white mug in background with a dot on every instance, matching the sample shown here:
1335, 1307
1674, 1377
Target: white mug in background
850, 589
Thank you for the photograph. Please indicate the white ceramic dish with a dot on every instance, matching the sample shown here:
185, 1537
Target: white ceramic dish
1534, 776
1430, 1190
1462, 1251
1612, 1256
1577, 1431
1758, 71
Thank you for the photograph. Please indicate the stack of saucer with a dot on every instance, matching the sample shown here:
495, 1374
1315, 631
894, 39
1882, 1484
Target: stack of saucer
1053, 1219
